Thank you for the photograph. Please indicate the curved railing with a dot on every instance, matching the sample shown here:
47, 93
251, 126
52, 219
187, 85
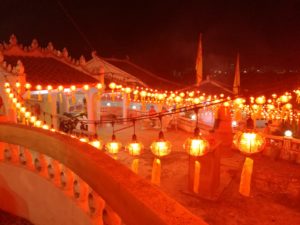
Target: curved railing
134, 199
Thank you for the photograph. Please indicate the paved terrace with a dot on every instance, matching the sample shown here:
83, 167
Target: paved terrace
275, 197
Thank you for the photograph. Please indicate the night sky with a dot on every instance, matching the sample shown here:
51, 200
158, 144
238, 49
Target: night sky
162, 35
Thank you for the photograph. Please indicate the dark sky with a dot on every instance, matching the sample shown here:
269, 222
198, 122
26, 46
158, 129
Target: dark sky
162, 35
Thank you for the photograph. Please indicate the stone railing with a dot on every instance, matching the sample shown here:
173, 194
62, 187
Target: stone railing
283, 147
92, 206
85, 174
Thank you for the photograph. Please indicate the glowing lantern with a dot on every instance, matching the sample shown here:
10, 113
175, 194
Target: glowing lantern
191, 94
248, 143
159, 148
18, 105
7, 90
181, 94
60, 88
99, 86
288, 106
196, 100
73, 89
86, 87
288, 133
49, 88
39, 88
22, 109
18, 85
11, 96
270, 107
196, 146
84, 139
239, 101
27, 115
38, 123
135, 148
6, 84
27, 89
32, 119
113, 147
97, 144
45, 126
112, 86
284, 98
260, 100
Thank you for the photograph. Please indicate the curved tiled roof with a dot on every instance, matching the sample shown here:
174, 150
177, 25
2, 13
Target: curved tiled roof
48, 70
145, 76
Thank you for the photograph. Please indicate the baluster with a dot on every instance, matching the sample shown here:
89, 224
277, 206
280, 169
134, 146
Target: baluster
66, 180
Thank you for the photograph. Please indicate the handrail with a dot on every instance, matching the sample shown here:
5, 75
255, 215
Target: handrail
134, 199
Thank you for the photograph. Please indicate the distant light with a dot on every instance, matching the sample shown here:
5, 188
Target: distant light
234, 123
108, 104
288, 133
134, 107
193, 117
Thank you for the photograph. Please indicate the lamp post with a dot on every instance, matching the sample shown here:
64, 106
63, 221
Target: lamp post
134, 148
196, 146
159, 148
249, 143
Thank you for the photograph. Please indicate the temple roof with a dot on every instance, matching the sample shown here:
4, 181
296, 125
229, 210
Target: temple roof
142, 74
48, 70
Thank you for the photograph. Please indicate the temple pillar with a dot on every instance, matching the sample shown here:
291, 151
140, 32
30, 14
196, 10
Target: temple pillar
53, 110
90, 105
124, 106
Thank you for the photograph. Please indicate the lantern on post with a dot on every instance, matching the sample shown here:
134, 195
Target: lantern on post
113, 147
39, 88
134, 148
60, 89
159, 148
196, 147
249, 143
27, 89
49, 89
97, 143
73, 89
112, 86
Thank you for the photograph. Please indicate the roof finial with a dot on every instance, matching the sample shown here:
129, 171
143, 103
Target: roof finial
50, 47
13, 40
20, 69
82, 60
65, 53
34, 44
94, 54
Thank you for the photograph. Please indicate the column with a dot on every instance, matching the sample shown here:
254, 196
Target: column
53, 110
90, 105
124, 106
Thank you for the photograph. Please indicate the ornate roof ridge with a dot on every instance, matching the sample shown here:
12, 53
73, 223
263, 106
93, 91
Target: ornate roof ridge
34, 50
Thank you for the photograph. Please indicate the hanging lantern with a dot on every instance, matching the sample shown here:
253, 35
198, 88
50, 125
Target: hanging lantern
159, 148
27, 89
97, 143
113, 147
49, 88
18, 85
39, 88
112, 86
197, 145
73, 89
260, 100
38, 123
135, 148
249, 143
60, 88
